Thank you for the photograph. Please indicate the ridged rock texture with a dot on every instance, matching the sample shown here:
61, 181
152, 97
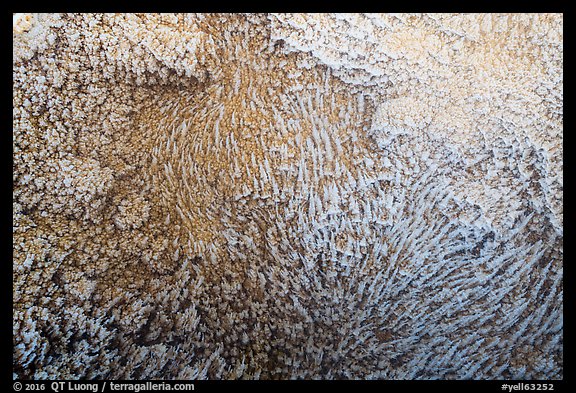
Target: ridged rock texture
349, 196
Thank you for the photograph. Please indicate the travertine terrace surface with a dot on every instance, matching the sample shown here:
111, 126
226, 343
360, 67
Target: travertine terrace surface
288, 196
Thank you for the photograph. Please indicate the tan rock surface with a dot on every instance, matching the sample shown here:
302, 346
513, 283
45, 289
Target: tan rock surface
288, 196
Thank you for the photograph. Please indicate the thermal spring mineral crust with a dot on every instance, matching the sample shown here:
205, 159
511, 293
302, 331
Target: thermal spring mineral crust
287, 196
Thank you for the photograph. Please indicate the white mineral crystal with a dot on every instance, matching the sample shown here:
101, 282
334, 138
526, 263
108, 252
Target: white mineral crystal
273, 196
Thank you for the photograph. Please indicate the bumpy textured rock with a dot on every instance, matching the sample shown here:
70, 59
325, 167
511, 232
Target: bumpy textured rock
288, 196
